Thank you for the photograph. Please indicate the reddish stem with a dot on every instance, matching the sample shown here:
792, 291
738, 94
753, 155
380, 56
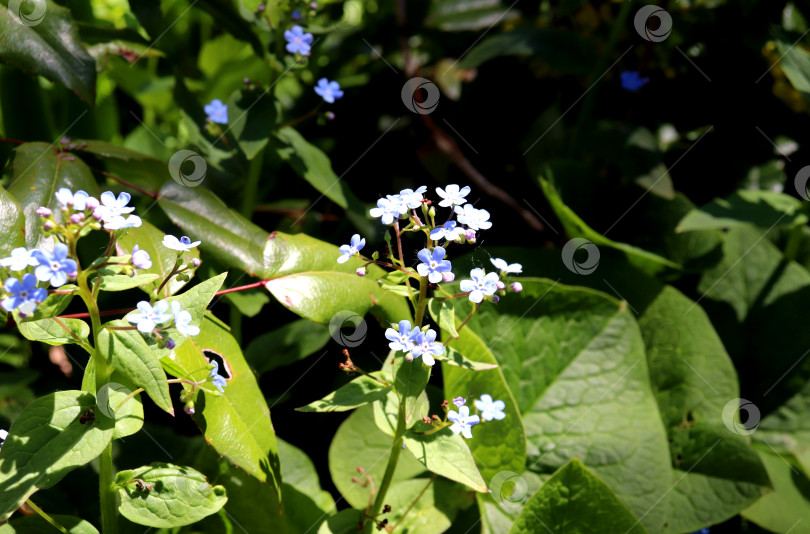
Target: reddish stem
15, 141
121, 181
242, 288
85, 314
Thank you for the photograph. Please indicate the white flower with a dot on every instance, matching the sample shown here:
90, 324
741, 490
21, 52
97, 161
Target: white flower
473, 218
481, 285
182, 321
490, 409
68, 199
389, 208
150, 317
183, 244
462, 421
118, 222
3, 435
502, 266
448, 230
452, 195
20, 259
140, 258
111, 207
411, 198
347, 251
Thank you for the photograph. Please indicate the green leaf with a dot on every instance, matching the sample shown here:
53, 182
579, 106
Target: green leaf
433, 511
386, 411
343, 522
249, 303
34, 524
236, 423
648, 262
51, 332
286, 345
12, 224
576, 501
129, 415
359, 443
42, 445
789, 504
45, 41
145, 171
38, 172
455, 358
410, 380
468, 15
150, 239
122, 282
764, 209
175, 495
131, 356
196, 301
443, 312
446, 454
795, 62
360, 391
251, 119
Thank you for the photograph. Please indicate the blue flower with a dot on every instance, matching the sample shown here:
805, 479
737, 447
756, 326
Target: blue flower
459, 401
452, 195
119, 222
490, 409
481, 285
298, 41
330, 91
632, 80
54, 267
150, 317
111, 207
296, 14
24, 295
182, 321
216, 379
425, 346
347, 251
404, 338
506, 268
433, 265
389, 208
448, 230
411, 198
474, 219
183, 244
68, 199
217, 111
462, 421
140, 258
21, 258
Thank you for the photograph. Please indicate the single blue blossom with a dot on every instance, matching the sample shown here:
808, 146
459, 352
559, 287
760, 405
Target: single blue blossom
474, 219
119, 222
433, 264
490, 409
149, 317
183, 244
632, 80
347, 251
404, 338
111, 207
452, 195
21, 258
54, 267
329, 91
298, 42
482, 284
449, 230
425, 345
389, 208
216, 379
182, 321
411, 198
506, 268
217, 111
140, 258
463, 421
24, 295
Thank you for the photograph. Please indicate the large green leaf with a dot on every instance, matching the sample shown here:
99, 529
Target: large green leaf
789, 505
251, 118
50, 331
46, 442
38, 172
795, 62
139, 169
360, 391
164, 495
575, 501
286, 345
359, 443
45, 41
34, 524
12, 224
765, 209
431, 507
237, 423
446, 454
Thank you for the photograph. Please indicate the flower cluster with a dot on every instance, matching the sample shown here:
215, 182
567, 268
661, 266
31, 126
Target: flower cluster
414, 342
114, 212
53, 267
462, 421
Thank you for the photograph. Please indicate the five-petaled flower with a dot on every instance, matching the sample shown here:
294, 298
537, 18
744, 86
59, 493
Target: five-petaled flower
449, 230
140, 258
433, 264
119, 222
329, 91
182, 320
462, 421
54, 267
482, 284
149, 317
452, 195
404, 338
389, 208
69, 199
298, 41
411, 198
347, 251
490, 409
24, 295
183, 244
217, 111
425, 345
111, 207
21, 258
506, 268
216, 379
632, 80
474, 219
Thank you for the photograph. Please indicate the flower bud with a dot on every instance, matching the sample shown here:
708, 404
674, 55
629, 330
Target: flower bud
91, 203
195, 262
170, 344
76, 218
469, 235
246, 81
448, 276
189, 408
375, 256
48, 225
500, 285
495, 298
97, 215
42, 211
313, 5
432, 211
517, 287
361, 271
330, 116
408, 357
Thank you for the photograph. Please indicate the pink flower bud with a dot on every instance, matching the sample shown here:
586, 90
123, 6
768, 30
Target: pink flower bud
313, 5
42, 211
517, 287
330, 116
195, 262
448, 277
500, 285
97, 215
469, 235
361, 271
48, 225
91, 203
77, 218
408, 357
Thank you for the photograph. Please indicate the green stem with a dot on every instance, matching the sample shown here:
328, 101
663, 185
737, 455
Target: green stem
46, 517
422, 303
252, 186
396, 449
793, 242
